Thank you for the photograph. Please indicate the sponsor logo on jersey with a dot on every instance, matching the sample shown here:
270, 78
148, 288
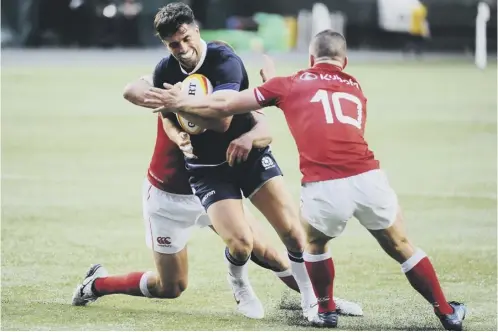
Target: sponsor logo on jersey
308, 76
328, 77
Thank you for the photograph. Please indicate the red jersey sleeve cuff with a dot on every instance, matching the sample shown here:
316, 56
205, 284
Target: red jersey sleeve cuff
259, 97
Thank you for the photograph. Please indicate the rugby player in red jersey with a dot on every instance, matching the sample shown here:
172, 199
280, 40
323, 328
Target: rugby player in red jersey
325, 110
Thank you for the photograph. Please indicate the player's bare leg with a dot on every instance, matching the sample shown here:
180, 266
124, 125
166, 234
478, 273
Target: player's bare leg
321, 270
275, 203
169, 282
420, 272
228, 219
263, 253
173, 275
266, 256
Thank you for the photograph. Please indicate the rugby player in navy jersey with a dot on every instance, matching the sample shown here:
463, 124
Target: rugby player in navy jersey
220, 186
170, 211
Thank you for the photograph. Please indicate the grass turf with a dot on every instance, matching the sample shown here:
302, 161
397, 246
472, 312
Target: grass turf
74, 155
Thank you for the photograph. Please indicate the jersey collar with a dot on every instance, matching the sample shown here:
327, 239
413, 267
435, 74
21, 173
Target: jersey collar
201, 60
329, 66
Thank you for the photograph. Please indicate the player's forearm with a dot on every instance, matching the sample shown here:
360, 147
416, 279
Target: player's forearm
135, 92
212, 106
171, 130
219, 125
260, 133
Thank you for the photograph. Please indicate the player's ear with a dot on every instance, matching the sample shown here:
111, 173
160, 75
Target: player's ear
312, 60
345, 63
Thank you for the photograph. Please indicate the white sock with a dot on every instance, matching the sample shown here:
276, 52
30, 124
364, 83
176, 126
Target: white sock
144, 280
236, 268
302, 279
412, 261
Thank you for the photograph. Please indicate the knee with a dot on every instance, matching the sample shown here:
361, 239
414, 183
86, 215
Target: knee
241, 246
294, 238
396, 245
171, 290
316, 241
292, 234
317, 247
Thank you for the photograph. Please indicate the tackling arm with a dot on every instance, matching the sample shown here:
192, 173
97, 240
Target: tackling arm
171, 130
222, 123
219, 105
134, 92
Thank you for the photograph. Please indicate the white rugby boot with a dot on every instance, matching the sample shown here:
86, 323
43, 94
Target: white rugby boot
248, 303
347, 308
83, 293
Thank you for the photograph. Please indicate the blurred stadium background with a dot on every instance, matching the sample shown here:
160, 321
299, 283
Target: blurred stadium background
74, 154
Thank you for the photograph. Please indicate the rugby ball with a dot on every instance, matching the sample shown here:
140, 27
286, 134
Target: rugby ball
194, 85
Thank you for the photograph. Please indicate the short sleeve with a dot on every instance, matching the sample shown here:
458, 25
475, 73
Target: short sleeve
159, 75
229, 74
272, 92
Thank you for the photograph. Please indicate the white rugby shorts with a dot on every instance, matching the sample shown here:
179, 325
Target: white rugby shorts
328, 205
170, 218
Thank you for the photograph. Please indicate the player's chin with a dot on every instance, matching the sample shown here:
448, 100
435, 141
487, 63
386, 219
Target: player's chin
188, 62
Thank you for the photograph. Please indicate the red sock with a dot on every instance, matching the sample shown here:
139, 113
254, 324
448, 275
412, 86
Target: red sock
288, 279
129, 284
421, 275
321, 271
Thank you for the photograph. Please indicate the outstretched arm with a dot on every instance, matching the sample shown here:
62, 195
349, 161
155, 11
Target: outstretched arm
271, 93
222, 124
135, 93
214, 106
211, 106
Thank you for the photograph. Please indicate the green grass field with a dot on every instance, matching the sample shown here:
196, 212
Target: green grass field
74, 155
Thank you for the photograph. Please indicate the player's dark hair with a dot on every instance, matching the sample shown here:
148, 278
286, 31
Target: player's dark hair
329, 44
171, 17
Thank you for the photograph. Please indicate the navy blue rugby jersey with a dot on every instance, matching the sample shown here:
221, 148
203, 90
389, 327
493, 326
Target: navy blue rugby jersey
226, 71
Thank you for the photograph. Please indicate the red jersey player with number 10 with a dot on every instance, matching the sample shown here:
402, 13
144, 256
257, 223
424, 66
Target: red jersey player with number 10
325, 110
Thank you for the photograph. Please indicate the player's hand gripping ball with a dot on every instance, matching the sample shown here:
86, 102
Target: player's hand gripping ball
194, 85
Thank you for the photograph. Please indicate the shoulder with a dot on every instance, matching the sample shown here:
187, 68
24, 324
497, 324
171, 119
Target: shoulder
303, 74
218, 54
349, 76
164, 63
351, 79
167, 69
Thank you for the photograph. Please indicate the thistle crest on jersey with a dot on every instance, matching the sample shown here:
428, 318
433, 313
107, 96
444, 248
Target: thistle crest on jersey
194, 85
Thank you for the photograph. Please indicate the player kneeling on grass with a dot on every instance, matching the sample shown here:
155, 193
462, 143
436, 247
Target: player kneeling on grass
325, 110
